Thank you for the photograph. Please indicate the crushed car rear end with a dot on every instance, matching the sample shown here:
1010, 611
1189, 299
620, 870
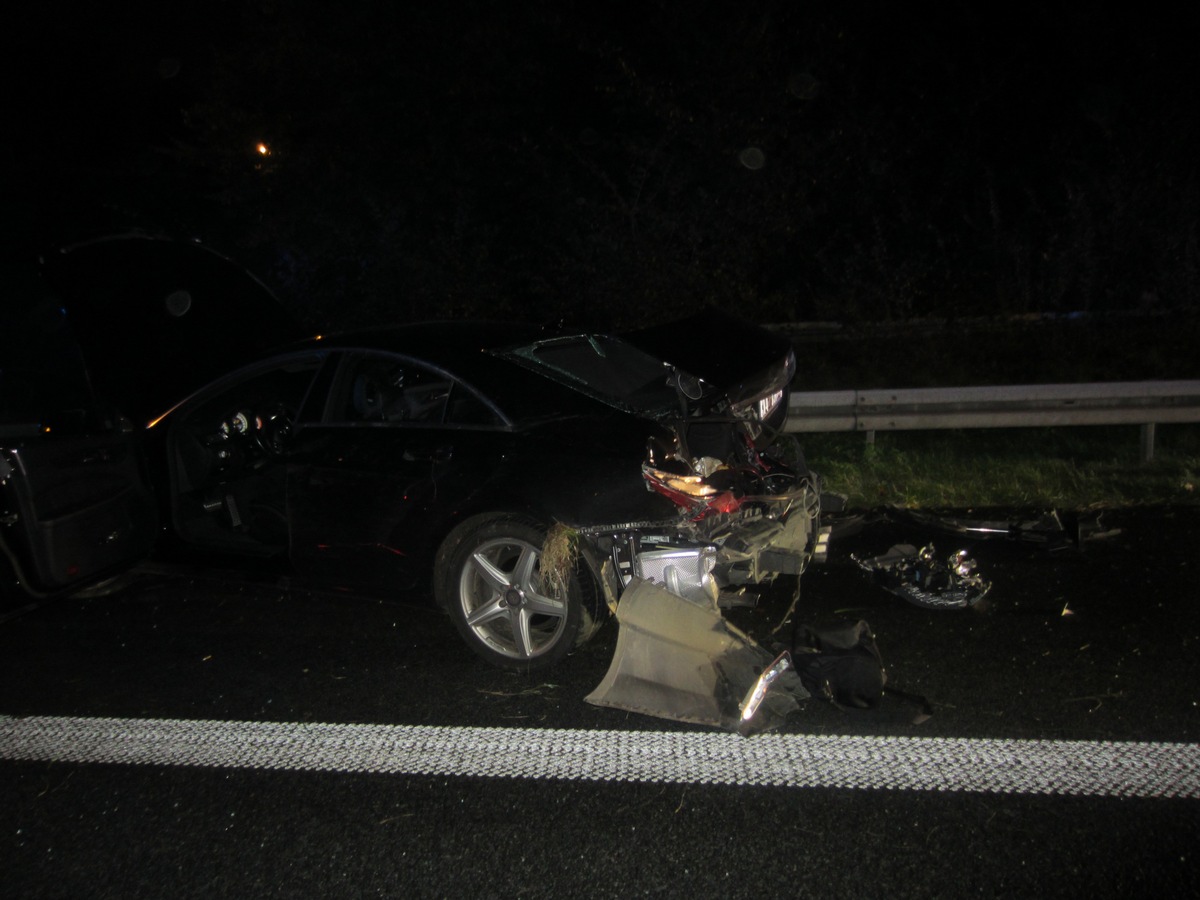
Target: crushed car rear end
712, 392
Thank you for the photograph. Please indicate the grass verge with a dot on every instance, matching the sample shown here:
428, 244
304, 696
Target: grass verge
1064, 468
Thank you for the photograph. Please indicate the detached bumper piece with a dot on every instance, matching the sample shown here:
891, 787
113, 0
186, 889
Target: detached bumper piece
677, 659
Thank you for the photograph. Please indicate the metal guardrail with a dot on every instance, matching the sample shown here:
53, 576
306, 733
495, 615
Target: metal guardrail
1144, 403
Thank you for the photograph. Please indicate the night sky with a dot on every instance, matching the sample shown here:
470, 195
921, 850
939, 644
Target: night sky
626, 163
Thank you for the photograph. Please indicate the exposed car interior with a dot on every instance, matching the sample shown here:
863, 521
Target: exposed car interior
229, 487
386, 390
390, 389
226, 492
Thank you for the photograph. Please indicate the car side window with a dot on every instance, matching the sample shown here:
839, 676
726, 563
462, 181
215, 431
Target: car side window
389, 390
245, 401
378, 388
465, 408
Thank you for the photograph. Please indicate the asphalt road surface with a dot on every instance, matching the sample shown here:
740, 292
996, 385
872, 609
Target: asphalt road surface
219, 736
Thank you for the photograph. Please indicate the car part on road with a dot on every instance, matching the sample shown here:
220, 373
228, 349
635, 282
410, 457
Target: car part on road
1052, 530
841, 664
754, 698
922, 578
681, 660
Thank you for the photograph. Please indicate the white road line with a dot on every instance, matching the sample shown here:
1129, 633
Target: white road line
1084, 768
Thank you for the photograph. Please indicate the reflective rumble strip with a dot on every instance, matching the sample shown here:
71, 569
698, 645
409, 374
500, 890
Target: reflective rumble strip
1083, 768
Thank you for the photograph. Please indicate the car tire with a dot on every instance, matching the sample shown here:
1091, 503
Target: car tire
488, 579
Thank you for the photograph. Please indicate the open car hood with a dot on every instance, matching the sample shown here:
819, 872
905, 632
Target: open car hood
157, 318
736, 357
706, 362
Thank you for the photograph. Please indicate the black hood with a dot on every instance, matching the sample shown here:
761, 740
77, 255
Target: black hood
738, 358
157, 318
713, 358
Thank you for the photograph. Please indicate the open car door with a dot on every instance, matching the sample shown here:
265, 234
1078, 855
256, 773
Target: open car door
75, 501
96, 339
75, 508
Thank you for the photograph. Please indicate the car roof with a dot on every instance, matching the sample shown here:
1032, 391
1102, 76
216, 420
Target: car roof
460, 346
440, 342
463, 348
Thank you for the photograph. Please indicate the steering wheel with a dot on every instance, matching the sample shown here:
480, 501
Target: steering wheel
275, 429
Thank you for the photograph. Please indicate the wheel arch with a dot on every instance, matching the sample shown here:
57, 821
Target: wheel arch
587, 606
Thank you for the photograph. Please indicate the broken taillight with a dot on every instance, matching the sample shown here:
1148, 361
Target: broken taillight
692, 492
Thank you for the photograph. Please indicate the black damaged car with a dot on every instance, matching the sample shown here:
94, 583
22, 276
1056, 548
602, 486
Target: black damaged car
525, 476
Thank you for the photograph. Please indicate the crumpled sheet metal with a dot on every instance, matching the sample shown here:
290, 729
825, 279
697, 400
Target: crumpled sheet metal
680, 660
922, 578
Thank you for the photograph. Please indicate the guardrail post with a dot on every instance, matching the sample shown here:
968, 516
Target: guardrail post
1147, 442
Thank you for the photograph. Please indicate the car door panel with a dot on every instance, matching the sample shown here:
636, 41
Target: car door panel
79, 507
351, 490
401, 447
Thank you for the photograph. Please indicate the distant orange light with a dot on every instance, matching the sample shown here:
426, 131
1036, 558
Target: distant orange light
263, 149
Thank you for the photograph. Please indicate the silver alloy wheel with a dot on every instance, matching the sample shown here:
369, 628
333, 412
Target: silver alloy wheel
503, 602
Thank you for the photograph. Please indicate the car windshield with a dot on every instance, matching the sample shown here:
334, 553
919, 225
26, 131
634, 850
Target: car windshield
603, 366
